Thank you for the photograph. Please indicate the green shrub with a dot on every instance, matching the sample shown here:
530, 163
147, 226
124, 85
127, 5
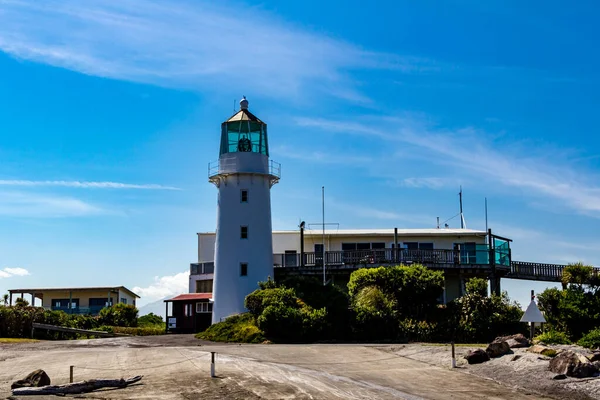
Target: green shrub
591, 339
16, 322
421, 331
119, 315
553, 337
237, 328
150, 320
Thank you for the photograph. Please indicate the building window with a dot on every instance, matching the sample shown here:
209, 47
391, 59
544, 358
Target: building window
244, 232
244, 195
205, 286
187, 310
123, 300
418, 246
291, 259
204, 307
244, 269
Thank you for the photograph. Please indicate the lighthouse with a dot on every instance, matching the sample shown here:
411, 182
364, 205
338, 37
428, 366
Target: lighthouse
243, 176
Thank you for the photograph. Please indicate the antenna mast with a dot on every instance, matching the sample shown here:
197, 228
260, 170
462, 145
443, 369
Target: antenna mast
462, 217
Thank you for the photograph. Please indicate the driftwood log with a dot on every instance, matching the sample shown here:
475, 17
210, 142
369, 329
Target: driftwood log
77, 387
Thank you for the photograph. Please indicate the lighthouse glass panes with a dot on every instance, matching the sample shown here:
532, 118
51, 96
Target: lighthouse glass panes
244, 135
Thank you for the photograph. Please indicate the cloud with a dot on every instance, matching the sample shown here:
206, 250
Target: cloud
190, 45
319, 157
379, 214
85, 185
164, 286
10, 272
28, 205
472, 151
430, 183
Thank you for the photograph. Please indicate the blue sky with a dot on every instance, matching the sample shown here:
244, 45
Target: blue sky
110, 114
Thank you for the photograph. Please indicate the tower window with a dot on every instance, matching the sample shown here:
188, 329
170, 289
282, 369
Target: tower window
244, 232
244, 195
243, 269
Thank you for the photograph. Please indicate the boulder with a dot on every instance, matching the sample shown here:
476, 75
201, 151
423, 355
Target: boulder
573, 364
559, 377
477, 356
514, 341
538, 348
497, 349
35, 379
595, 356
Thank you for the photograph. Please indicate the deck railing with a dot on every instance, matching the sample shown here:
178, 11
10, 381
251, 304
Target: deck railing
384, 256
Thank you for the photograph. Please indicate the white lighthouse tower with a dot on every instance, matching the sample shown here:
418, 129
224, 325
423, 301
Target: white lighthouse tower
244, 176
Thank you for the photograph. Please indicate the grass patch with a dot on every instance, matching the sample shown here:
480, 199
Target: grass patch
17, 340
238, 328
150, 330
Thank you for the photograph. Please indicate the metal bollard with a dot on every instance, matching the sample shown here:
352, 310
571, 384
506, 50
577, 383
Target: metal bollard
453, 356
212, 364
71, 373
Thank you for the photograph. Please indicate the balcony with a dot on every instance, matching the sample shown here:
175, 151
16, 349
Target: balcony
361, 258
234, 165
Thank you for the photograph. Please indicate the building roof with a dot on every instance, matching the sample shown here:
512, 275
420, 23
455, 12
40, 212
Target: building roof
382, 232
243, 115
72, 289
191, 296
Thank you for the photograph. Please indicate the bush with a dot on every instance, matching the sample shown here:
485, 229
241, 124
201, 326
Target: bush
150, 320
16, 322
135, 331
591, 340
553, 337
237, 328
119, 315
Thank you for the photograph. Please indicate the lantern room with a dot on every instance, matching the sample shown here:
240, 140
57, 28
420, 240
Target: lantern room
244, 132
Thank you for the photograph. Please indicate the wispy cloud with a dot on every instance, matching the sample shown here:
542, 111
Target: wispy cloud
429, 183
31, 205
319, 157
10, 272
163, 286
187, 44
362, 211
475, 152
86, 185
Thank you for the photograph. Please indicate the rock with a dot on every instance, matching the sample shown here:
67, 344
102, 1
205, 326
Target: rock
477, 356
35, 379
516, 357
595, 356
559, 376
497, 349
514, 341
538, 348
573, 364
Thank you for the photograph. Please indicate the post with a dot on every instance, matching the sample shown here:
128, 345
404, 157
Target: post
212, 364
494, 279
323, 206
453, 356
302, 244
395, 244
70, 300
166, 317
532, 324
10, 300
71, 373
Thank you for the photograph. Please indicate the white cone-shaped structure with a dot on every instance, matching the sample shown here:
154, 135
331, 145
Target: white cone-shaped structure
533, 314
244, 243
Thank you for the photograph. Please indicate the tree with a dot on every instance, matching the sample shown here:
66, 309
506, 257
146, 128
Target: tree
5, 299
21, 302
578, 274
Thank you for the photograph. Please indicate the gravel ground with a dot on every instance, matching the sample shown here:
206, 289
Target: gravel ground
177, 367
527, 370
